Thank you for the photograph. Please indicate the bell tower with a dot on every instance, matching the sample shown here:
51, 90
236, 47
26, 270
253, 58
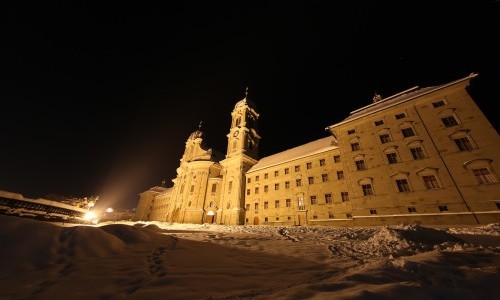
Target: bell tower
242, 153
243, 137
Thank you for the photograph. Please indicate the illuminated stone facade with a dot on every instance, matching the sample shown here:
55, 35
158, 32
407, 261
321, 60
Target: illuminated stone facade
425, 155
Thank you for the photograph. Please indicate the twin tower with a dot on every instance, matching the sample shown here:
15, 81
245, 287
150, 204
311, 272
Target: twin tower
209, 187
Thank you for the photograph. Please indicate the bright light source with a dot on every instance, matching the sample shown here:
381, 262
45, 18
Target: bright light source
89, 216
109, 210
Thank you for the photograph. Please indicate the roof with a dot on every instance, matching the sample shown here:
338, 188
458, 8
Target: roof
403, 96
314, 147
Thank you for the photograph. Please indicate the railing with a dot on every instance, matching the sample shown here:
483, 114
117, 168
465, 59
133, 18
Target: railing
301, 207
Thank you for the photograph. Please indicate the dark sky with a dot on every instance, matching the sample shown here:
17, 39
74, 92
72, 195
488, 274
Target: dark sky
100, 98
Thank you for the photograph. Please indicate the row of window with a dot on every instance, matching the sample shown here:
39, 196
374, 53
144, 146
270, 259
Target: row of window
322, 162
328, 199
442, 208
298, 182
482, 175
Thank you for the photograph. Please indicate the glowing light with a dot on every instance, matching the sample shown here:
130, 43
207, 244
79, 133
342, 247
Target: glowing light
109, 210
89, 216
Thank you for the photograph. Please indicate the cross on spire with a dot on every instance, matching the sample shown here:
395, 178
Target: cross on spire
199, 125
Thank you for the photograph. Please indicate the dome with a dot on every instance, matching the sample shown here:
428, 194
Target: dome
195, 135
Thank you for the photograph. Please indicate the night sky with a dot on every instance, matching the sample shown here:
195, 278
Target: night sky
100, 98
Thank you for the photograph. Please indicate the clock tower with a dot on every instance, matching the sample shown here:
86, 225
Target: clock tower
242, 154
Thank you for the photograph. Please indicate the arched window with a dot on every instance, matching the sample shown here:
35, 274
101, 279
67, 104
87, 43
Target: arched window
401, 181
463, 140
392, 155
482, 171
407, 129
366, 186
430, 178
417, 149
359, 160
384, 135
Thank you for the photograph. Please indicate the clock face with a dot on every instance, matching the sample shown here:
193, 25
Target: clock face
235, 134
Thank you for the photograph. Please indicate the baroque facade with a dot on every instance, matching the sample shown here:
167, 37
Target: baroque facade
425, 155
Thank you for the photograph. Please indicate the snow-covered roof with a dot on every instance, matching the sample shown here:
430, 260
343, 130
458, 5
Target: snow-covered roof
314, 147
403, 96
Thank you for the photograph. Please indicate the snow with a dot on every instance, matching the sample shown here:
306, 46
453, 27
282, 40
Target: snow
153, 260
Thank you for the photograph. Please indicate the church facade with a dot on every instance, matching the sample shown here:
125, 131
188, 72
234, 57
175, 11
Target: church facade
425, 155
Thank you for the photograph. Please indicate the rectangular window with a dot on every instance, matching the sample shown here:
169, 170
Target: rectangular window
328, 198
214, 188
344, 196
355, 147
315, 217
360, 165
266, 176
288, 202
257, 178
287, 171
403, 185
336, 158
330, 215
367, 189
340, 175
247, 207
484, 176
276, 186
309, 165
324, 177
322, 162
266, 205
276, 204
392, 158
276, 173
407, 132
310, 180
314, 200
400, 116
256, 206
287, 184
412, 210
289, 218
438, 104
266, 219
463, 144
373, 211
385, 138
352, 131
249, 180
298, 182
297, 168
256, 190
417, 153
266, 189
430, 182
443, 208
248, 191
379, 122
277, 218
449, 121
192, 188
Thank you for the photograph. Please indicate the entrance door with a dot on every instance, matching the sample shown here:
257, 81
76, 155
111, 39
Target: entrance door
256, 221
301, 219
209, 218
